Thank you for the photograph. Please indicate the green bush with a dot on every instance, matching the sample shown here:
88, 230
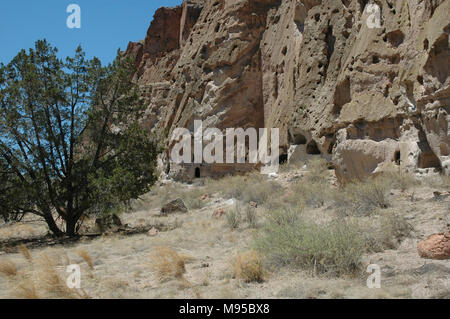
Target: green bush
362, 198
287, 238
234, 218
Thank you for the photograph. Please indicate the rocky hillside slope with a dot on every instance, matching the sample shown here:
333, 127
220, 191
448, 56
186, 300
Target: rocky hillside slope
317, 69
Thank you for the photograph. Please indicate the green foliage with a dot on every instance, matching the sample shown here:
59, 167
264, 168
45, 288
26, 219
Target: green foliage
287, 238
70, 135
234, 218
362, 198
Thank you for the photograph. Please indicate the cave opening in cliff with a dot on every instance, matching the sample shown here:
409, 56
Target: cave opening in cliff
397, 157
298, 139
300, 17
283, 159
312, 148
197, 172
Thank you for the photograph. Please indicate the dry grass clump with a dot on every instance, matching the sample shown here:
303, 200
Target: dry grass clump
168, 264
25, 252
249, 267
251, 217
52, 285
441, 181
384, 232
233, 218
249, 188
8, 268
26, 290
312, 194
50, 280
362, 198
317, 171
288, 238
86, 257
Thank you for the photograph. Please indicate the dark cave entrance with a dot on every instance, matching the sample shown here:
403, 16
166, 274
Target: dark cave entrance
197, 172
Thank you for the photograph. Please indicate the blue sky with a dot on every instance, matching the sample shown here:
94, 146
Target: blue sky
106, 25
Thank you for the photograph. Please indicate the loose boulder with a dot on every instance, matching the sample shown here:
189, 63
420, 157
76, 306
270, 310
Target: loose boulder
175, 206
436, 246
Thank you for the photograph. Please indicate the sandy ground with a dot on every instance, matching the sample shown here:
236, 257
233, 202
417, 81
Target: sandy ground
123, 266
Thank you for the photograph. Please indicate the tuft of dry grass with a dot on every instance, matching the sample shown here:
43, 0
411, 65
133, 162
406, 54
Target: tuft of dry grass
362, 198
25, 252
53, 284
234, 218
8, 268
86, 257
249, 267
26, 290
168, 264
385, 231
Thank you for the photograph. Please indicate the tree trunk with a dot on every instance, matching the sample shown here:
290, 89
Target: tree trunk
70, 226
52, 226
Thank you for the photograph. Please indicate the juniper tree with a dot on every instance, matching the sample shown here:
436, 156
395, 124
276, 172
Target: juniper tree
70, 139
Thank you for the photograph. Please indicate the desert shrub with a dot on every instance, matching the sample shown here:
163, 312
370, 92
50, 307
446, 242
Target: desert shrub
168, 264
249, 188
312, 194
317, 171
441, 181
385, 232
287, 238
402, 180
362, 198
249, 267
233, 218
251, 217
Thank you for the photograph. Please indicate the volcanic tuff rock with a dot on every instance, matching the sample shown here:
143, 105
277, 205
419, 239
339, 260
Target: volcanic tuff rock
359, 96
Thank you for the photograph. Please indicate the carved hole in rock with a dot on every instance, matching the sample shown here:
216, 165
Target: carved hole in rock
283, 159
346, 3
395, 38
437, 64
317, 17
375, 59
330, 40
300, 17
426, 44
342, 96
299, 139
362, 4
312, 148
284, 51
420, 79
395, 59
397, 157
197, 172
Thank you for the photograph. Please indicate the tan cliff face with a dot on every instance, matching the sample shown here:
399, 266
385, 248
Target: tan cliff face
359, 96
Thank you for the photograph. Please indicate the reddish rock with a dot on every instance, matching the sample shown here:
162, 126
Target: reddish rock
219, 212
436, 246
204, 197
